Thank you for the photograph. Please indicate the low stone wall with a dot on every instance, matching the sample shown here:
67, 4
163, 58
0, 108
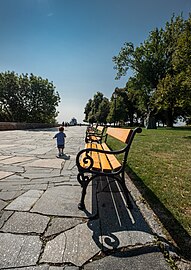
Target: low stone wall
14, 125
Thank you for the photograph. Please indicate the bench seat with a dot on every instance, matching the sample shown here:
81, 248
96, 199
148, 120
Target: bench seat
102, 162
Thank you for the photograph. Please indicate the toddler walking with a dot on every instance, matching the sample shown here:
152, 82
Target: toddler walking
60, 136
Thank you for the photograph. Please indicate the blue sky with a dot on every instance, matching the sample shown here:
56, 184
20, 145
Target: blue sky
72, 42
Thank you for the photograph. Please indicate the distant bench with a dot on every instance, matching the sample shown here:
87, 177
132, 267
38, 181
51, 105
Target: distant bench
97, 159
95, 134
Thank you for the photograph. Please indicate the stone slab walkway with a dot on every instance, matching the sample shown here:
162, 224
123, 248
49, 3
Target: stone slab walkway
41, 227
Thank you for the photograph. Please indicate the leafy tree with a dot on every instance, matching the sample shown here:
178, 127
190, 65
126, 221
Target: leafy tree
147, 61
95, 112
87, 110
27, 98
173, 93
103, 110
155, 63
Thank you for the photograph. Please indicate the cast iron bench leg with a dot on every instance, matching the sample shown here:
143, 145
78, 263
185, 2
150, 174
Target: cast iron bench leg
84, 183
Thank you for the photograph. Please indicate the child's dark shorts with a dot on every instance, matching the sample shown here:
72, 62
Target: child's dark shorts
60, 146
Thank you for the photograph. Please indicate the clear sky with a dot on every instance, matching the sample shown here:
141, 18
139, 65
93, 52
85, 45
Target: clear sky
72, 42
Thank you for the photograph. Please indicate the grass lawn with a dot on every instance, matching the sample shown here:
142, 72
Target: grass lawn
160, 164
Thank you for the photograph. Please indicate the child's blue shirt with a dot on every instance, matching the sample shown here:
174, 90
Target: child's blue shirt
60, 136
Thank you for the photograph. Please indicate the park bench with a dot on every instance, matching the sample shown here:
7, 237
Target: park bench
95, 134
97, 159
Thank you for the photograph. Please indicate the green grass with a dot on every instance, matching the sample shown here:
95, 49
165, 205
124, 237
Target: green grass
160, 164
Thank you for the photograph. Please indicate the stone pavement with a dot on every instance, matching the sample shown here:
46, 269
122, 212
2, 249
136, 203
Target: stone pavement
40, 224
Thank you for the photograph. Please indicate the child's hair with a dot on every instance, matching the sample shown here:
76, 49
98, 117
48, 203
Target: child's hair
61, 128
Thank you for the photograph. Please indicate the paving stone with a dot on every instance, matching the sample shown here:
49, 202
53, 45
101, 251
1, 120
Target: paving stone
25, 201
58, 225
4, 157
46, 163
6, 146
11, 168
71, 268
14, 160
40, 151
34, 186
23, 222
39, 267
143, 259
19, 250
2, 204
62, 201
4, 174
75, 246
9, 195
4, 216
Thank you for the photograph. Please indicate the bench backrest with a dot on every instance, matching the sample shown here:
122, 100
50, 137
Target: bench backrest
122, 134
100, 128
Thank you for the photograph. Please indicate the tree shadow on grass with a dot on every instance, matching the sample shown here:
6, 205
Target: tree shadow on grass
170, 223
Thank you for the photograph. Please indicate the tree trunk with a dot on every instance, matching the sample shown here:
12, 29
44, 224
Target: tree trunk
151, 121
169, 118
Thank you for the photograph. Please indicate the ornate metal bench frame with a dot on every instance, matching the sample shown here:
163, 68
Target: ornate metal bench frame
86, 175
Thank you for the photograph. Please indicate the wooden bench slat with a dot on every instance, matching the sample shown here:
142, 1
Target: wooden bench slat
112, 159
104, 161
95, 157
93, 137
121, 134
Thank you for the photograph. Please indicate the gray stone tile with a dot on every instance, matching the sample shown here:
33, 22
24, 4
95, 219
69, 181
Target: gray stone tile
46, 163
8, 195
14, 160
25, 201
62, 201
34, 186
4, 216
19, 250
23, 222
141, 259
72, 246
71, 268
39, 267
58, 225
11, 168
2, 204
4, 174
57, 268
40, 151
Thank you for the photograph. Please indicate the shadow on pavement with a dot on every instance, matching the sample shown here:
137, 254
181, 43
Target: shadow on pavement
119, 227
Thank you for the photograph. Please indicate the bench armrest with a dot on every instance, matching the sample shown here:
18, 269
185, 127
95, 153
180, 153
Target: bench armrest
87, 159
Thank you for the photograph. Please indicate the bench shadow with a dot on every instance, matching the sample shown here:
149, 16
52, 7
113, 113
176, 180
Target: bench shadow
170, 223
119, 227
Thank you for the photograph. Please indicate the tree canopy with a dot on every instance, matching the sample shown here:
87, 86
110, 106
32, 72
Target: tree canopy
161, 66
27, 98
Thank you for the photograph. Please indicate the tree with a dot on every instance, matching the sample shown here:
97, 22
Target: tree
147, 62
103, 110
155, 64
87, 110
173, 93
96, 109
27, 98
